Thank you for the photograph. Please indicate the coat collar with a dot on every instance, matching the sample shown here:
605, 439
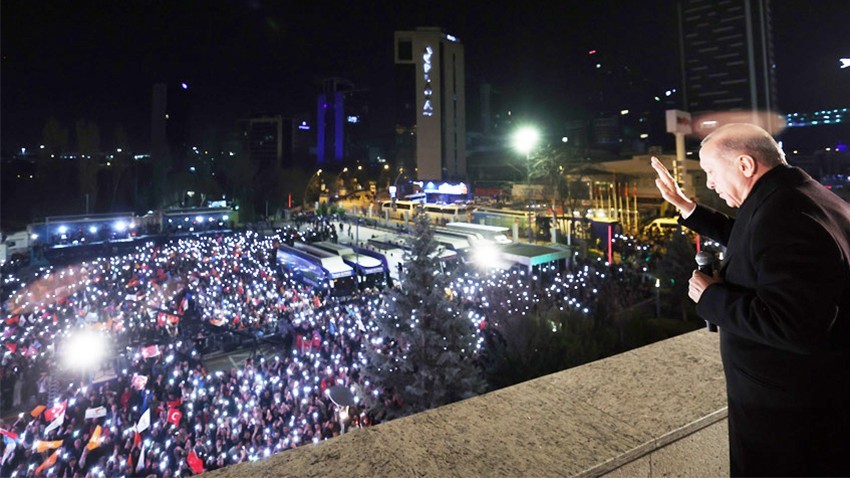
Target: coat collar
779, 177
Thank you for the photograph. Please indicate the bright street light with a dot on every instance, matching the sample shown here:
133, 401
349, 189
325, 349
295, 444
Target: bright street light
525, 139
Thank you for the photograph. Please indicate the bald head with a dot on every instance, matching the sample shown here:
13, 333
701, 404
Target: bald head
734, 139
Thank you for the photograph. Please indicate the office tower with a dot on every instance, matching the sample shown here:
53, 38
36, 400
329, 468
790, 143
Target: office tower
439, 113
341, 112
726, 52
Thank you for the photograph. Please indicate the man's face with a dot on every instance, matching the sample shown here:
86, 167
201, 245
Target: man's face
723, 175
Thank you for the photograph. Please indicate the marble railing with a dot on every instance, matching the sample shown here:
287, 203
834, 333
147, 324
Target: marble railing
659, 410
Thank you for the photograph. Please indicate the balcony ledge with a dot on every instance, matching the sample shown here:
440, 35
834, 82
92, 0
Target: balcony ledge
659, 410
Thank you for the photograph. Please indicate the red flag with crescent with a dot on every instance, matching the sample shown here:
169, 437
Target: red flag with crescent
174, 416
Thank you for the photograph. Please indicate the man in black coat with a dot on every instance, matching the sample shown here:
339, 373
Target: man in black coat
782, 303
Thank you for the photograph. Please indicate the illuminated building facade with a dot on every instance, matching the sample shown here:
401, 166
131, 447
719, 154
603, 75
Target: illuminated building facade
727, 55
438, 115
341, 114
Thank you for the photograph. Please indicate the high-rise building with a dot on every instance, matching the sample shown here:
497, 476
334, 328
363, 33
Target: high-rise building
439, 116
341, 112
274, 142
726, 49
170, 125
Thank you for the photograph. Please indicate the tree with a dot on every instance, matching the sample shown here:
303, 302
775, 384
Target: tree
422, 347
675, 269
550, 162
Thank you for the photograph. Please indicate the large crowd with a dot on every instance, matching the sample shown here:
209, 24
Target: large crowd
162, 412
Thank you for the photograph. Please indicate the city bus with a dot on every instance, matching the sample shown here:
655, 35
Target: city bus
372, 272
497, 234
395, 247
502, 217
404, 209
325, 271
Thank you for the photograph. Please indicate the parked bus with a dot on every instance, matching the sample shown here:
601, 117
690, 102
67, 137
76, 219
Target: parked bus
322, 270
394, 247
372, 272
497, 234
502, 217
439, 213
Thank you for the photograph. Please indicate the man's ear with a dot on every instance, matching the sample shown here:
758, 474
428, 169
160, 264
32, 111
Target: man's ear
747, 165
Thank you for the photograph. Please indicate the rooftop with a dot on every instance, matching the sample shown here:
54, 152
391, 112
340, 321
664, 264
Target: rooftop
658, 410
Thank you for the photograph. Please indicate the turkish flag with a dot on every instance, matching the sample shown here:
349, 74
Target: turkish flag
194, 462
51, 413
174, 416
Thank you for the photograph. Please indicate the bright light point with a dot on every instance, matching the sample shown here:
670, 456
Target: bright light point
185, 86
63, 229
93, 229
525, 139
644, 136
120, 226
845, 62
668, 93
85, 349
624, 112
564, 139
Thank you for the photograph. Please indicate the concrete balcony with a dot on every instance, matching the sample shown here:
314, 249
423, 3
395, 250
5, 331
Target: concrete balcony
659, 410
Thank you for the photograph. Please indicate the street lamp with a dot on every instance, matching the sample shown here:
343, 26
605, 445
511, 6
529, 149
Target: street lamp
307, 188
525, 140
336, 181
395, 183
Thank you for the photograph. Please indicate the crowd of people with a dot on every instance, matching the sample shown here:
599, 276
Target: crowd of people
162, 411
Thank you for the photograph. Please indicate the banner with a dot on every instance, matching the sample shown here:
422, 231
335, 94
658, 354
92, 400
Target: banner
150, 351
95, 412
39, 446
139, 381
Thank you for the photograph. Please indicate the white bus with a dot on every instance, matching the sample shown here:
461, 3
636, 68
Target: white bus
497, 234
439, 213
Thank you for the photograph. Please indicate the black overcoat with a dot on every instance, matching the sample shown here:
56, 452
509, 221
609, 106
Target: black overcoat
783, 312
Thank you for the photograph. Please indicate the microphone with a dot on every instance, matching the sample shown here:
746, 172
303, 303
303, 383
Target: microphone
705, 264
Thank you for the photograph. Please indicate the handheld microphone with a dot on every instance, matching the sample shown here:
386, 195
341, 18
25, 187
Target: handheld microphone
705, 264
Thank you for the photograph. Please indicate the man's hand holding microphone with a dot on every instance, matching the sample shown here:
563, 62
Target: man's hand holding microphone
673, 194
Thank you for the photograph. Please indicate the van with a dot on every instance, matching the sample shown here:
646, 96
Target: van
661, 226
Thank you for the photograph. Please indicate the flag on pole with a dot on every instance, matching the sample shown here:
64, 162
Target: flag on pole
141, 465
8, 434
37, 411
50, 461
95, 440
55, 423
144, 421
58, 409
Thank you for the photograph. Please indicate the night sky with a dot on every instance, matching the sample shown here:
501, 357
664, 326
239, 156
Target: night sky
98, 59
